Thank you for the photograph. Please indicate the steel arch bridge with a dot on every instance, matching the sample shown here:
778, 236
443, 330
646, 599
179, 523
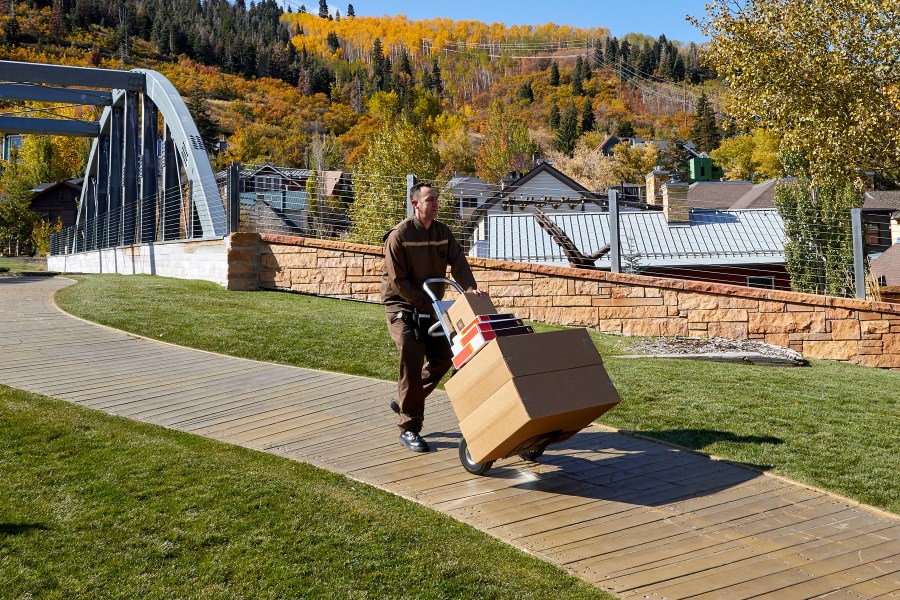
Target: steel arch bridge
148, 177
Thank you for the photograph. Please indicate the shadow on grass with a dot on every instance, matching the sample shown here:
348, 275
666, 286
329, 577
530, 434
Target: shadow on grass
19, 528
614, 467
697, 439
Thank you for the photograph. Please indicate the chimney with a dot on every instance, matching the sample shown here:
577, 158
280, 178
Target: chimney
656, 179
513, 176
869, 180
675, 203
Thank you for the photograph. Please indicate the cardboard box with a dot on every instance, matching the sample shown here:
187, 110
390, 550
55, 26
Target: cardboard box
480, 332
524, 391
467, 307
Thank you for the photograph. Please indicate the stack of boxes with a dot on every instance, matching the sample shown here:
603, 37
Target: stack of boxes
518, 390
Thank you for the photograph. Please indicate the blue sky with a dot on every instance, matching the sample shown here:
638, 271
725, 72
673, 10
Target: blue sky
651, 17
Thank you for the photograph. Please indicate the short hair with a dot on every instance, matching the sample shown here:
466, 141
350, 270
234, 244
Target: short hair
416, 191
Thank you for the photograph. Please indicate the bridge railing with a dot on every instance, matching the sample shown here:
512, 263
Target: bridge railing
175, 218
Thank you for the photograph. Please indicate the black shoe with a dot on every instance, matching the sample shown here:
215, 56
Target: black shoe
414, 441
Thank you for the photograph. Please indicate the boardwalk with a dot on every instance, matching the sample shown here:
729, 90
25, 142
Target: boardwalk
640, 519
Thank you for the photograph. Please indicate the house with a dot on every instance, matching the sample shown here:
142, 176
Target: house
470, 192
57, 200
544, 187
268, 177
886, 270
279, 197
881, 220
608, 145
740, 247
732, 195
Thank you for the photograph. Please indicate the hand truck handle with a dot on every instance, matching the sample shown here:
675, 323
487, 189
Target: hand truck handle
441, 327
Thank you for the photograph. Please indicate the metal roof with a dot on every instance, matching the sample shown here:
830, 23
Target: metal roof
711, 238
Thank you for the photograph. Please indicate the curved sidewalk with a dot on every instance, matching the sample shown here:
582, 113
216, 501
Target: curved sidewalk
640, 519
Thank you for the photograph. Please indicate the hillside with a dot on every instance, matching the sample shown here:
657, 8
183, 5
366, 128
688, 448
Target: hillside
300, 90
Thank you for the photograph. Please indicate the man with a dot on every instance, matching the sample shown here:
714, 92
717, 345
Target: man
419, 248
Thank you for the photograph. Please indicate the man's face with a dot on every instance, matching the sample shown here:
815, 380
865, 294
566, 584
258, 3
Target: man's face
427, 205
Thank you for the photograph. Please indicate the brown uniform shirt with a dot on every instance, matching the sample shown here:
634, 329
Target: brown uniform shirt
413, 254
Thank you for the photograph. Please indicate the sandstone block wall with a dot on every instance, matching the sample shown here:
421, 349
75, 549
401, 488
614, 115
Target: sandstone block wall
857, 331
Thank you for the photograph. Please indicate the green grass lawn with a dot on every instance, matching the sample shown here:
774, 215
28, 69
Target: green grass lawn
831, 425
22, 264
95, 506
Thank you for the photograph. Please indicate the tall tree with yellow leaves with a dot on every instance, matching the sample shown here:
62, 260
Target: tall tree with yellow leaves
823, 75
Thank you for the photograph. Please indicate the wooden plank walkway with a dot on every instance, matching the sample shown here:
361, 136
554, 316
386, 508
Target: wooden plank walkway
640, 519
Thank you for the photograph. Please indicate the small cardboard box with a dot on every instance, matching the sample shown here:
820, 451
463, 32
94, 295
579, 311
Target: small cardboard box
467, 307
518, 389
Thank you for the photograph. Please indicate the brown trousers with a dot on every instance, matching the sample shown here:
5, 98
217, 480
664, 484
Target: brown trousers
417, 379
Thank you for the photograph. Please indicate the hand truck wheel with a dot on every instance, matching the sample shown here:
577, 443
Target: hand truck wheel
470, 465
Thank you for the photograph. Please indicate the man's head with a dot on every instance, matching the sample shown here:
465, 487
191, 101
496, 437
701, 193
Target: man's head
424, 199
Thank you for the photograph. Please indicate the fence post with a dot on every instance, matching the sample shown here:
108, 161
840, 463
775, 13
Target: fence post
859, 256
233, 196
411, 180
615, 247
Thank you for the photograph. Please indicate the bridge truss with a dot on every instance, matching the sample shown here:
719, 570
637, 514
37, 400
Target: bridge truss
148, 177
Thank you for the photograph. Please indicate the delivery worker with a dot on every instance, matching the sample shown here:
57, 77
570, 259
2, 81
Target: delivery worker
417, 249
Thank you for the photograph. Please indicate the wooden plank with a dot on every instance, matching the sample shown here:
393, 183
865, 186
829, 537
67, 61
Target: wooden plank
801, 569
768, 573
839, 581
692, 544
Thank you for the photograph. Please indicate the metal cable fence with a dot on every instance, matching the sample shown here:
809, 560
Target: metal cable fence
173, 216
786, 249
537, 220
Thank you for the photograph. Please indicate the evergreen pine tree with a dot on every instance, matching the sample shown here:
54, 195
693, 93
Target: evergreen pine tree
405, 65
578, 78
567, 134
624, 129
323, 9
526, 93
587, 116
554, 117
678, 69
332, 41
436, 78
350, 11
554, 73
598, 57
705, 134
612, 51
337, 15
427, 81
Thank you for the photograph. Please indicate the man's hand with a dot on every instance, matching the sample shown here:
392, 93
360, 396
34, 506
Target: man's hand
477, 292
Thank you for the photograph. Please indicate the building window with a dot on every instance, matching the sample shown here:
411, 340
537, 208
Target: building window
766, 283
872, 236
267, 183
470, 202
12, 141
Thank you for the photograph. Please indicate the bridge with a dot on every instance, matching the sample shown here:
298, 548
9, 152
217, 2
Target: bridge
148, 177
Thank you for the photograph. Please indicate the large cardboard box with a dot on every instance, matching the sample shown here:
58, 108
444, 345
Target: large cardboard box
522, 391
468, 306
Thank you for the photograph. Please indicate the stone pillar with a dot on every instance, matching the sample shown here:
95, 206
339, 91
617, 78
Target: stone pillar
243, 261
675, 203
655, 180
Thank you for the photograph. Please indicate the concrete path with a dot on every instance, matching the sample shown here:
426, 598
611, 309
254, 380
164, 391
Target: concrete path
640, 519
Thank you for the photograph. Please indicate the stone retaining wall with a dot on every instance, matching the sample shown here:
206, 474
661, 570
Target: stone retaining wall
842, 329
